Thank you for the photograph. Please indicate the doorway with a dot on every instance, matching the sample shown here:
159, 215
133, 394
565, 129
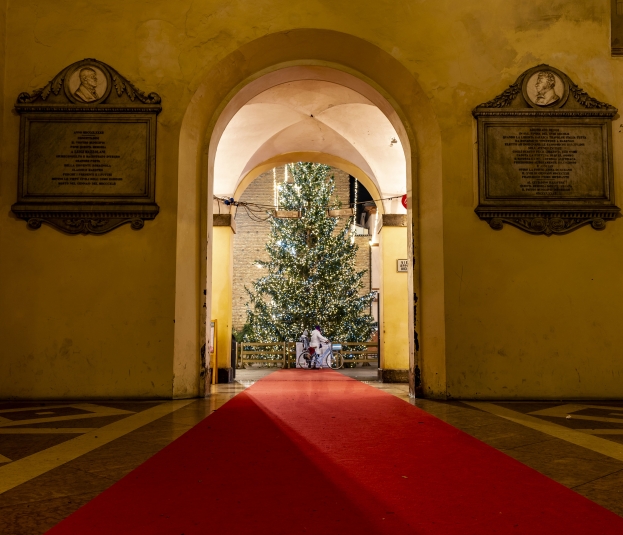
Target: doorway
224, 87
311, 118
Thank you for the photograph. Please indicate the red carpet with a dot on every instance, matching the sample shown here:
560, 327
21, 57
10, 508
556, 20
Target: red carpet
318, 453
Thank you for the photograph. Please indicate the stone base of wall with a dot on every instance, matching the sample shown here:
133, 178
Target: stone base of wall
393, 376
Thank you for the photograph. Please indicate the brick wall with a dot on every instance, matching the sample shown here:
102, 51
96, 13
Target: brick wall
251, 237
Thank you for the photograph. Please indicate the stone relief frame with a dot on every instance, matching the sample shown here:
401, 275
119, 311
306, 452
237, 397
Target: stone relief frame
545, 156
87, 156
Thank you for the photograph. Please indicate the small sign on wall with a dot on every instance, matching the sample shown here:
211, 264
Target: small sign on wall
402, 266
212, 345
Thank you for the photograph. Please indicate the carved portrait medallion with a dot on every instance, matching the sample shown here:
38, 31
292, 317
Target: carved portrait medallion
87, 84
545, 88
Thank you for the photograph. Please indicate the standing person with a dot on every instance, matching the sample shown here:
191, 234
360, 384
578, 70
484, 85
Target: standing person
314, 345
305, 340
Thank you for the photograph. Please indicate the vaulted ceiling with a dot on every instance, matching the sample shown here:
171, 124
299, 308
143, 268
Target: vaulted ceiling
314, 117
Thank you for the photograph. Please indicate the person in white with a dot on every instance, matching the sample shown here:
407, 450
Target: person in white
303, 346
314, 346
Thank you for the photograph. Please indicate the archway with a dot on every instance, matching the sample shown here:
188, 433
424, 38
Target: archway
354, 63
304, 114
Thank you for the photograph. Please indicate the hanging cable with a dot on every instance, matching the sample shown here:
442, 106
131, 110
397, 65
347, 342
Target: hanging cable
231, 202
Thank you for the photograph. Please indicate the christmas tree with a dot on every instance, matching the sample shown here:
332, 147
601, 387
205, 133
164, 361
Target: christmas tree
311, 275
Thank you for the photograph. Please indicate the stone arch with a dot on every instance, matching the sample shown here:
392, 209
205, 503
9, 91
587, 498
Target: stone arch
203, 123
316, 157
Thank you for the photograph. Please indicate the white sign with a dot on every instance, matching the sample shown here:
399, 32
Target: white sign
212, 328
402, 266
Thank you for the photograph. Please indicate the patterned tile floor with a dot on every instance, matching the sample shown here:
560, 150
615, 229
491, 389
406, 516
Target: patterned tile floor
550, 437
55, 457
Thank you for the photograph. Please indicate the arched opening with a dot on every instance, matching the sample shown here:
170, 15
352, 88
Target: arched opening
300, 301
337, 58
308, 116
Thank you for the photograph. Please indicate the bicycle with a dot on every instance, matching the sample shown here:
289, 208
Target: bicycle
327, 358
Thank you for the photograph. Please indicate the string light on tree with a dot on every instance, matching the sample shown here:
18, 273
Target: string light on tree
311, 276
352, 238
275, 197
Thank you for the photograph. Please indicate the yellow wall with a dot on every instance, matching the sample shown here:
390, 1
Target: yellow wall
394, 305
502, 314
222, 280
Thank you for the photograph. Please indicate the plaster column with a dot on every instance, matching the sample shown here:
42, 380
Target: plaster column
394, 305
222, 282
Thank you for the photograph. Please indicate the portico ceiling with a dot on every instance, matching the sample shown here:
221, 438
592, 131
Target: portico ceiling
312, 116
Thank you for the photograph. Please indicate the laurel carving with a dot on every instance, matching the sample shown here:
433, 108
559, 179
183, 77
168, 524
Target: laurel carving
53, 86
121, 85
583, 98
506, 98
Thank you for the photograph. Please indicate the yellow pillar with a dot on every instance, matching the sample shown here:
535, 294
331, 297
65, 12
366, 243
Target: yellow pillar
222, 281
394, 301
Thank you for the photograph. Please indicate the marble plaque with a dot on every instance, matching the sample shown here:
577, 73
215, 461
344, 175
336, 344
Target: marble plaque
545, 156
87, 152
553, 161
92, 157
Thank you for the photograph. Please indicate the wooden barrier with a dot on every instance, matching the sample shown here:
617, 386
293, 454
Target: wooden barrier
249, 352
370, 354
284, 353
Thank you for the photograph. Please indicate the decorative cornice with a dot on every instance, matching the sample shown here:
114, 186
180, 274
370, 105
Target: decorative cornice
149, 212
531, 112
77, 225
85, 221
548, 222
104, 108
